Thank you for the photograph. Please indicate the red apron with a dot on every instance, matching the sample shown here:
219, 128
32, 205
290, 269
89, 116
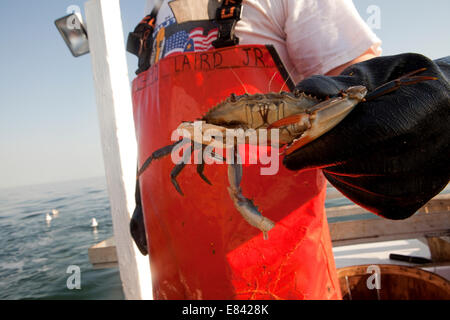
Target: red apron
200, 247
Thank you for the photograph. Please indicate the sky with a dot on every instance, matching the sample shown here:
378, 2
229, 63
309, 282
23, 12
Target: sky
48, 119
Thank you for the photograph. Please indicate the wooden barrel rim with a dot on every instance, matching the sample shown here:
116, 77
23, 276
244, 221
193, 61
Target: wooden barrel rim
393, 269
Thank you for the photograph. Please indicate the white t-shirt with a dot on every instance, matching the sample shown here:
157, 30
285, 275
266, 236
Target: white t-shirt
311, 36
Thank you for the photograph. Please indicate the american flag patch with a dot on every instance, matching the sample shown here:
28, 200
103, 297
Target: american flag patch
193, 41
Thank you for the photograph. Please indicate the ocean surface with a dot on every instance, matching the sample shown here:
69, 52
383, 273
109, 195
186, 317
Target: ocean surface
35, 254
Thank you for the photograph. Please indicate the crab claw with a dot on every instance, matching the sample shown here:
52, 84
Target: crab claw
245, 206
202, 133
321, 118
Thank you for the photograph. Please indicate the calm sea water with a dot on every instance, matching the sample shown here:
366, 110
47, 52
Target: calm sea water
35, 255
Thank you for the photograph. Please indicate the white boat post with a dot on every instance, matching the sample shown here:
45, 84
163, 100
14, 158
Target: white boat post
114, 104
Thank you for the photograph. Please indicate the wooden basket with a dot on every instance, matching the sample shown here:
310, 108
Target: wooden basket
396, 283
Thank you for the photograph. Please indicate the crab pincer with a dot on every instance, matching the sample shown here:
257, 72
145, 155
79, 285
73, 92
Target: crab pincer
321, 118
327, 114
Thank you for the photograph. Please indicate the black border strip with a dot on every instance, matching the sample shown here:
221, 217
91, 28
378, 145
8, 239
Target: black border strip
281, 68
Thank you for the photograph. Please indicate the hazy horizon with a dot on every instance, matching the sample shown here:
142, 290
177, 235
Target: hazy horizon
52, 182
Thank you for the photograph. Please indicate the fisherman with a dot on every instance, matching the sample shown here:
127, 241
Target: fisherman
389, 155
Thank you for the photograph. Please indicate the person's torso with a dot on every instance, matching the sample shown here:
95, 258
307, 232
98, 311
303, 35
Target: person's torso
189, 25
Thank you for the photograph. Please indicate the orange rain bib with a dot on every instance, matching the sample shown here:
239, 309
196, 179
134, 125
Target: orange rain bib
200, 247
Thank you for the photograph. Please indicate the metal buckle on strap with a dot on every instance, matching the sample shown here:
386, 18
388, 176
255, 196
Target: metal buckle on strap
140, 40
227, 17
135, 41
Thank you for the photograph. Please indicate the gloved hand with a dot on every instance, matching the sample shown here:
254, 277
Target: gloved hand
390, 155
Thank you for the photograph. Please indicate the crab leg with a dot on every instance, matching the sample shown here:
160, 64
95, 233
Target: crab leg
201, 166
393, 85
177, 169
245, 206
157, 155
160, 153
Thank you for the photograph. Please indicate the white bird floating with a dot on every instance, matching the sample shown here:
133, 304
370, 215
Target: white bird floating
94, 223
48, 218
55, 212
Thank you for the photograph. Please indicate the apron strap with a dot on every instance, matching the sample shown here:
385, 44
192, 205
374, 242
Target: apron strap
227, 16
141, 39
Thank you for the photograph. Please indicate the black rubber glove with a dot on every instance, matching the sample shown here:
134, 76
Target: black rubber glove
137, 225
390, 155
